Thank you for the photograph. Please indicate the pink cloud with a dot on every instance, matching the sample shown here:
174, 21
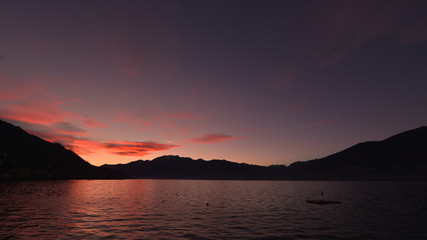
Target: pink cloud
32, 103
212, 138
254, 130
75, 139
92, 123
136, 148
128, 65
67, 134
71, 141
39, 111
180, 115
323, 122
67, 128
12, 95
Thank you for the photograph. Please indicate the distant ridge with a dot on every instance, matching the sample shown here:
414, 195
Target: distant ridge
24, 156
400, 157
176, 167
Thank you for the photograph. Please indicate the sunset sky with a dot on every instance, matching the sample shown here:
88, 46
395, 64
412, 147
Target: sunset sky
261, 82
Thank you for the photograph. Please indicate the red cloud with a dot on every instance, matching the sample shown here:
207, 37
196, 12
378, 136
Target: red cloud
11, 95
68, 129
92, 123
75, 143
33, 107
32, 103
87, 146
11, 91
136, 148
212, 138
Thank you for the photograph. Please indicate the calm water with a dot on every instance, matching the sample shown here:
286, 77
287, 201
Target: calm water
192, 209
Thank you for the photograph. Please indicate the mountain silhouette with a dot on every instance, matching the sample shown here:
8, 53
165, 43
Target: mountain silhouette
176, 167
24, 156
400, 157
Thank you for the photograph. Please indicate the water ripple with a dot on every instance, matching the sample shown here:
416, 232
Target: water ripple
185, 209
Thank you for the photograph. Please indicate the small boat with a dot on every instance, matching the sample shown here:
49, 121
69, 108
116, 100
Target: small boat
321, 201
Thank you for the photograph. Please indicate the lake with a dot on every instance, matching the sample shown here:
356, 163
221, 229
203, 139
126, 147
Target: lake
202, 209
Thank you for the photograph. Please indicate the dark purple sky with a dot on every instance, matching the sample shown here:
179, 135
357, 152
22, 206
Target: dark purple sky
262, 82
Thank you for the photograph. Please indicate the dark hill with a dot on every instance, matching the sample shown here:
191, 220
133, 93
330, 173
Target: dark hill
26, 157
400, 157
175, 167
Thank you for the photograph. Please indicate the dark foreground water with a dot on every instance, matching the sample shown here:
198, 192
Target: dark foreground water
191, 209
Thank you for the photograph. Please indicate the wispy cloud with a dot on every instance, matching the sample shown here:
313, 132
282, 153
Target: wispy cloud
37, 106
297, 105
342, 29
68, 128
178, 121
339, 40
77, 139
31, 102
323, 122
212, 138
40, 112
136, 148
67, 134
92, 123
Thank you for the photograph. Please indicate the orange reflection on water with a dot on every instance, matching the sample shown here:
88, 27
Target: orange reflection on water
104, 208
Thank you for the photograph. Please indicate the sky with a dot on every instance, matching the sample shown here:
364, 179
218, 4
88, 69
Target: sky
260, 82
